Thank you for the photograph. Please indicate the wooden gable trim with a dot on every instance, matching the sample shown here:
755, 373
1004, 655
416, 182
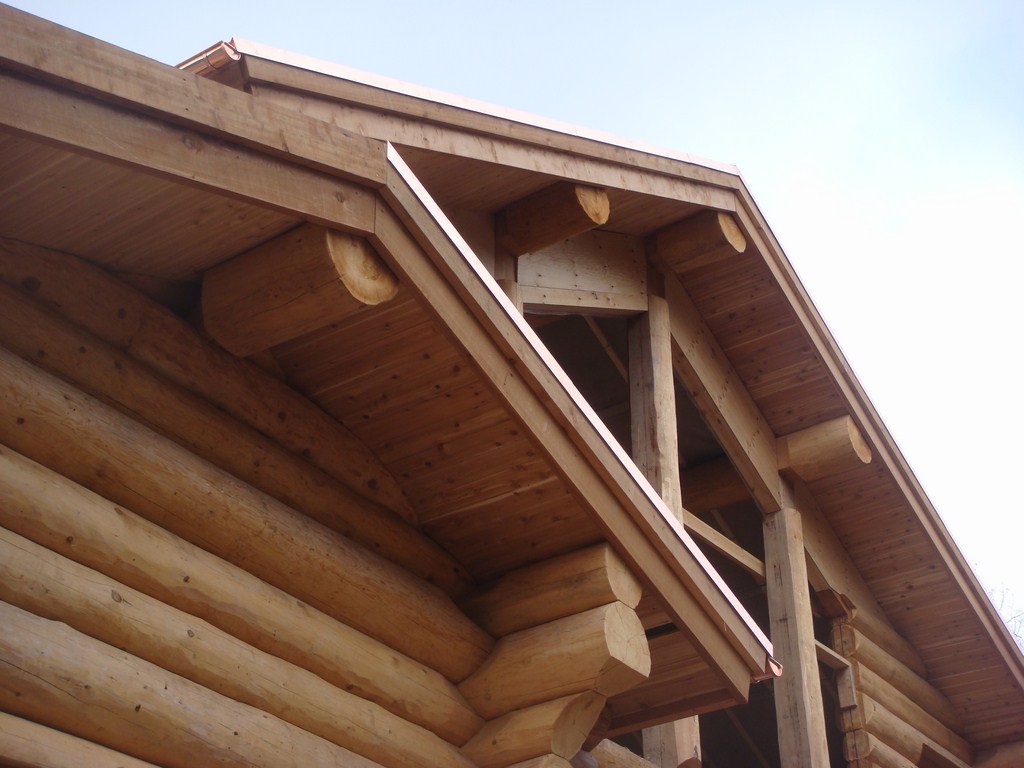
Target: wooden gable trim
631, 514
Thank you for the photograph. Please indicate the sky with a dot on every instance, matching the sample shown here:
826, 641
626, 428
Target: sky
883, 142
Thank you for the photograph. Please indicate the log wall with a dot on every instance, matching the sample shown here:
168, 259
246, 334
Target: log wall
179, 585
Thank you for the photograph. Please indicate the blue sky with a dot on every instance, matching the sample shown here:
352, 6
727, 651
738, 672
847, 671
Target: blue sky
884, 142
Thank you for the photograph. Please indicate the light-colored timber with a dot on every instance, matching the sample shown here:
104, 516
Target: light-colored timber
124, 318
31, 745
50, 510
699, 240
554, 589
43, 418
855, 645
861, 745
41, 337
62, 678
556, 727
907, 740
46, 584
301, 281
550, 215
611, 755
825, 449
799, 707
602, 650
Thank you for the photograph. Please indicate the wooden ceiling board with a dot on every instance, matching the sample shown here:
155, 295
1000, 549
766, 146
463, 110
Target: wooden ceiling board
121, 219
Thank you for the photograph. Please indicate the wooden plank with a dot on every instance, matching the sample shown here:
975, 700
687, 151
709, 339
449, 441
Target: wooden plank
304, 280
33, 45
798, 702
99, 447
572, 301
722, 400
151, 146
553, 589
550, 215
68, 519
46, 584
66, 680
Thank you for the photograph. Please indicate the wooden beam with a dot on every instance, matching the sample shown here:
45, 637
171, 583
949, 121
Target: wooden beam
1003, 756
712, 485
675, 744
298, 282
907, 740
46, 584
554, 589
152, 146
91, 443
549, 216
127, 320
556, 727
704, 238
602, 650
824, 450
722, 400
611, 755
67, 351
30, 745
564, 301
54, 512
798, 703
653, 402
860, 745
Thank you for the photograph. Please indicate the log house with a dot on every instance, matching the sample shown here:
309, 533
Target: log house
348, 423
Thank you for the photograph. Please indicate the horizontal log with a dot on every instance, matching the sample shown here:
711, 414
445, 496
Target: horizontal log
905, 739
556, 727
132, 323
824, 450
909, 711
546, 761
554, 589
861, 745
46, 584
300, 281
30, 745
856, 645
603, 650
550, 215
72, 433
611, 755
57, 676
75, 355
50, 510
698, 240
888, 640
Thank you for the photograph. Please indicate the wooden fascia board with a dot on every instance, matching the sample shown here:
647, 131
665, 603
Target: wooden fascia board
50, 52
85, 125
874, 431
485, 138
458, 288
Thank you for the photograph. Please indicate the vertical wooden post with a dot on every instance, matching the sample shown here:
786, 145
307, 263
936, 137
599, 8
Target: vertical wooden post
656, 453
798, 703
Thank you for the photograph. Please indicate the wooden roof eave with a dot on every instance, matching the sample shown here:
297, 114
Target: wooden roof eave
631, 514
875, 432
